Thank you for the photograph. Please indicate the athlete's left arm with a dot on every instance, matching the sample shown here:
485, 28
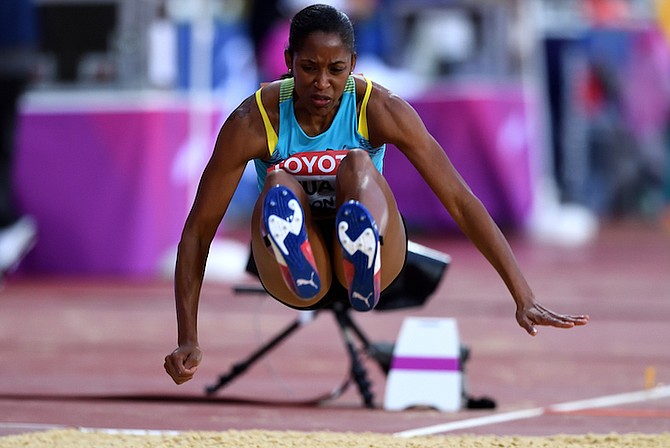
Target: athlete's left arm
392, 120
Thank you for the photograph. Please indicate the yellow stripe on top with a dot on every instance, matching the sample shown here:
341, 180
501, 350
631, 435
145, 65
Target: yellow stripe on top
269, 130
363, 117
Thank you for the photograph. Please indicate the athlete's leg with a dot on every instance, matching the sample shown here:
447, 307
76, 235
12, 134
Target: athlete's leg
286, 265
358, 180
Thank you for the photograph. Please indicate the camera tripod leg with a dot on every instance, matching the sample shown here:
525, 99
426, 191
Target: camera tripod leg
243, 365
358, 372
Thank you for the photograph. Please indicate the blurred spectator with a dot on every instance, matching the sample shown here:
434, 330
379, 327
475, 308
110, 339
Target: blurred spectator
18, 45
629, 105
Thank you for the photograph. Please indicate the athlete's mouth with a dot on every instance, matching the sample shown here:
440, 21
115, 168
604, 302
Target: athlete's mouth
320, 100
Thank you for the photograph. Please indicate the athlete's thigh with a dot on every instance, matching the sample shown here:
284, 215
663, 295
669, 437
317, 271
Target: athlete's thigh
391, 228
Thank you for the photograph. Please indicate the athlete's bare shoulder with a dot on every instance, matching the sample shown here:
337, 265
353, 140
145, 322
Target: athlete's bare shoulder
244, 129
389, 116
249, 109
380, 95
243, 112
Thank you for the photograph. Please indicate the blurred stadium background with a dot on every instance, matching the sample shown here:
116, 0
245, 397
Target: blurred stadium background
556, 112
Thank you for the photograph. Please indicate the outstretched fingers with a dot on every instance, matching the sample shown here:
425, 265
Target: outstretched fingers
582, 319
539, 315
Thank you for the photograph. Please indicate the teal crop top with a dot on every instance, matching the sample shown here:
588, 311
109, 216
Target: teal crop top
314, 160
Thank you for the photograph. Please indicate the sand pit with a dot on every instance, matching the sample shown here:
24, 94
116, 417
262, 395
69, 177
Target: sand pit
73, 438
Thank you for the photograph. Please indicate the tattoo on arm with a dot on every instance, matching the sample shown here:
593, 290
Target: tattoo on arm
243, 110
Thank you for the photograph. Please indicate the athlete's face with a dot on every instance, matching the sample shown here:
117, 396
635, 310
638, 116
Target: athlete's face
320, 70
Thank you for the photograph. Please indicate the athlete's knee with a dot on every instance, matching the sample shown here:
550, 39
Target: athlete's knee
277, 176
354, 167
286, 179
356, 159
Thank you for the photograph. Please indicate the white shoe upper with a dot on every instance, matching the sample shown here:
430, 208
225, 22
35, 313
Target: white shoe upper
280, 227
366, 242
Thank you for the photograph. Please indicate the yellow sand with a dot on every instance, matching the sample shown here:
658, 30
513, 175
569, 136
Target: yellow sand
73, 438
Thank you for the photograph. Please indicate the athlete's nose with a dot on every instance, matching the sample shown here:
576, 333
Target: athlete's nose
321, 82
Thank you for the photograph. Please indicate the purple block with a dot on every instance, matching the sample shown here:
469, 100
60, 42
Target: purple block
423, 363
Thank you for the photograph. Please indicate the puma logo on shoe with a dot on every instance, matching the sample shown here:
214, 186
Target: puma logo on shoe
305, 282
361, 257
284, 221
357, 295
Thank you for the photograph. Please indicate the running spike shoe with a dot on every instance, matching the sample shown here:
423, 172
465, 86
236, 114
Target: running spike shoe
358, 235
284, 220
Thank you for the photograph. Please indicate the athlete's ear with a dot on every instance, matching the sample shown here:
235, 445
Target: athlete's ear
353, 61
288, 59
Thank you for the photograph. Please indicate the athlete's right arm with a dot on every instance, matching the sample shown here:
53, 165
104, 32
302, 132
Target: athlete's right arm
240, 139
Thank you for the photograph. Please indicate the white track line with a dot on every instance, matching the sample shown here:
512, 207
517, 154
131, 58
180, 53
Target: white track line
592, 403
571, 406
111, 431
30, 426
131, 432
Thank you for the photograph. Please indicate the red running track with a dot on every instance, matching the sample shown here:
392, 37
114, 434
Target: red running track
88, 352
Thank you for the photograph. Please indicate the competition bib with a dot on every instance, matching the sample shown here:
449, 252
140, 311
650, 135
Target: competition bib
316, 173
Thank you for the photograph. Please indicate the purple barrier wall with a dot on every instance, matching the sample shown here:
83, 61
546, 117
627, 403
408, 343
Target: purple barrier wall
485, 133
103, 188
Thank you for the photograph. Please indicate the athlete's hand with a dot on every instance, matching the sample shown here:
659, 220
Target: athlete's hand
183, 362
533, 314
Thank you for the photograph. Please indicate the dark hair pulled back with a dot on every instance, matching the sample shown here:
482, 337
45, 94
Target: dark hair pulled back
323, 18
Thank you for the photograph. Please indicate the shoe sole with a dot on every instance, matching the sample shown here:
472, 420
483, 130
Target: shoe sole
359, 238
284, 220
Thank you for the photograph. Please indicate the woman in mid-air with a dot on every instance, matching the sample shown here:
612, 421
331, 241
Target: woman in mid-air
325, 212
